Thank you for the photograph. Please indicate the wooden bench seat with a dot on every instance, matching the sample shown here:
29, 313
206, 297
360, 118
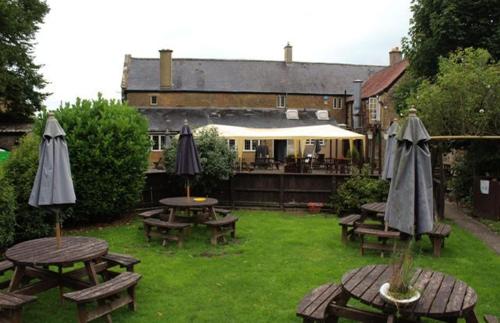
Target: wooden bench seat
490, 319
107, 295
381, 235
222, 227
11, 306
440, 232
222, 212
313, 307
348, 223
5, 266
151, 213
169, 231
124, 261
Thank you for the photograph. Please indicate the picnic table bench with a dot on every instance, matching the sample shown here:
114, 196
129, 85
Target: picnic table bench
11, 306
108, 296
151, 213
169, 231
490, 319
313, 307
380, 234
222, 227
5, 266
124, 261
348, 223
440, 232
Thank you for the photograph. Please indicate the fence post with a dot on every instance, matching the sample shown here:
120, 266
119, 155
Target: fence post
282, 192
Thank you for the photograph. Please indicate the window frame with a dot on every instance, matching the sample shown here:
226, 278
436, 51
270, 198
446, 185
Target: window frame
338, 103
151, 99
233, 146
313, 142
281, 101
252, 147
373, 110
161, 142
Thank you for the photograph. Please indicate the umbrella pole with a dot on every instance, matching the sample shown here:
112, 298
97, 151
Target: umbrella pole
58, 230
188, 189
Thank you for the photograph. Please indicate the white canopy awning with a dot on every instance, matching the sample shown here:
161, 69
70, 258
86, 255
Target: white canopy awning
297, 134
326, 131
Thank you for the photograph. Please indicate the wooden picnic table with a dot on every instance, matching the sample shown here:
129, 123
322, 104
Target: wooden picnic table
443, 296
375, 210
33, 259
185, 203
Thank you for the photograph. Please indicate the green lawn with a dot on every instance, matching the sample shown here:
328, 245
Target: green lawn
277, 259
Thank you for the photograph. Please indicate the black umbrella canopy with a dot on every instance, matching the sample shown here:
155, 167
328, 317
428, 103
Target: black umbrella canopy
409, 206
187, 162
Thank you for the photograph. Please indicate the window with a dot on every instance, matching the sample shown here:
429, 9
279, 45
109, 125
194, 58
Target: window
313, 141
250, 145
373, 110
281, 101
153, 100
338, 103
157, 142
231, 143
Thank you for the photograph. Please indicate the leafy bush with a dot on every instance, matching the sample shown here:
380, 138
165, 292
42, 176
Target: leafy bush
20, 170
108, 146
216, 159
359, 189
7, 211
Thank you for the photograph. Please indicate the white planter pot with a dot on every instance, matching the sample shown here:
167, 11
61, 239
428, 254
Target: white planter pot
384, 292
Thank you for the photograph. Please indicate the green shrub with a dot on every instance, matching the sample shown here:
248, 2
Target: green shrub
108, 146
20, 170
359, 189
216, 159
7, 211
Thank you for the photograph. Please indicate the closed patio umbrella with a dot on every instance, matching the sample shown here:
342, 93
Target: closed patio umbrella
187, 163
53, 185
409, 206
390, 147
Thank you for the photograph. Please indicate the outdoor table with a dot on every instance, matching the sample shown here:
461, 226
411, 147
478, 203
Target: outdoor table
376, 210
185, 203
442, 297
33, 259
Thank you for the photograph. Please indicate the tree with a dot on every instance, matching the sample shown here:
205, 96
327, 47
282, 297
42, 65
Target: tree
439, 27
216, 159
20, 81
464, 98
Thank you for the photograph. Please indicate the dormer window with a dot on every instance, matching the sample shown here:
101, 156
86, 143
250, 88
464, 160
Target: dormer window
281, 101
153, 100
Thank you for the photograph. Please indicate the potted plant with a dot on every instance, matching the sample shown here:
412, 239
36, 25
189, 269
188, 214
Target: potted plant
398, 290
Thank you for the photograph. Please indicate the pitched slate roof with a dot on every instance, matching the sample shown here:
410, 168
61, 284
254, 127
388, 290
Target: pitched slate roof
247, 76
382, 80
172, 119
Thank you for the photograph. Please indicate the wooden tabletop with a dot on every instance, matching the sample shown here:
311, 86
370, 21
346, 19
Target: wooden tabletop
441, 295
184, 202
377, 207
44, 251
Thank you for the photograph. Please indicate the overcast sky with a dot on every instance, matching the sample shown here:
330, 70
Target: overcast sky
83, 42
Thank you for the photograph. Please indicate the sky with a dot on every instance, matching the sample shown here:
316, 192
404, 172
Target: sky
82, 43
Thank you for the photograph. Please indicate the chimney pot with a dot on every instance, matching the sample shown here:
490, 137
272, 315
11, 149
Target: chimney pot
395, 56
166, 68
288, 53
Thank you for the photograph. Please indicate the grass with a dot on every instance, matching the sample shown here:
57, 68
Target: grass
261, 277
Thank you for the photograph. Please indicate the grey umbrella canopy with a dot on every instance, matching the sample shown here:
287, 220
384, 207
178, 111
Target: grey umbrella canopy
53, 185
187, 163
390, 148
409, 206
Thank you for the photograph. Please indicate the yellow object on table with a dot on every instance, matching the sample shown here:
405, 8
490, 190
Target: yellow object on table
199, 199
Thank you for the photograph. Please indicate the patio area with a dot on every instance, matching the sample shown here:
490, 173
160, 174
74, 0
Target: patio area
277, 258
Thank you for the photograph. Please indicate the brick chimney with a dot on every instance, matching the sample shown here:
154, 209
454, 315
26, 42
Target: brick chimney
166, 68
288, 53
395, 56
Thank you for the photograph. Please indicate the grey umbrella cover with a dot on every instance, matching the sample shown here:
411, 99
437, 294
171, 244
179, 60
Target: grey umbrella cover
410, 204
187, 162
390, 148
53, 184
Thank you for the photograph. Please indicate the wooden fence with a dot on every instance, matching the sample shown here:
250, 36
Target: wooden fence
255, 189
